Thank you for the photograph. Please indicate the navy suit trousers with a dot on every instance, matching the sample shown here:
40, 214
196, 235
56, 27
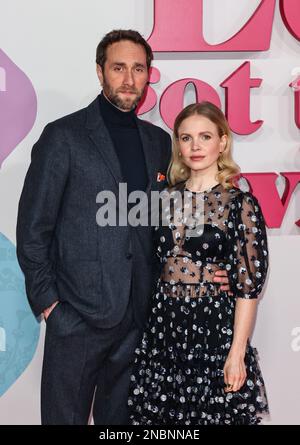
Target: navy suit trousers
85, 366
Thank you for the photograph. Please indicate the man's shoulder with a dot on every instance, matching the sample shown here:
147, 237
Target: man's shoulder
78, 119
72, 120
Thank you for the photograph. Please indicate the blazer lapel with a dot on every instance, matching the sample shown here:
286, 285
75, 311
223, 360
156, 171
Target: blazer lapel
149, 153
99, 135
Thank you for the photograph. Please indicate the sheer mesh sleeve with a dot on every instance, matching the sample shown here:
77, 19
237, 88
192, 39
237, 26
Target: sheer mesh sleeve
248, 249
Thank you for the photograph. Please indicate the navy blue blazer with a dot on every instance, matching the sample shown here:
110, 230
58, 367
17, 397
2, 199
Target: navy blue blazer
64, 254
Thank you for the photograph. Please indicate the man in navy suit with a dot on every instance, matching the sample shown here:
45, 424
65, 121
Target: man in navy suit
92, 283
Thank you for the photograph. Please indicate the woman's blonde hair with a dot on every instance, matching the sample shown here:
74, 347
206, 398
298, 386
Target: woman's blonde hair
228, 170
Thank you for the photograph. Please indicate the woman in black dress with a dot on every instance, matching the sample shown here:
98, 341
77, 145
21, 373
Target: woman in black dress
195, 365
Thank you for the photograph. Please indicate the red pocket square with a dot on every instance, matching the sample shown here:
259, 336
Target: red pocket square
160, 177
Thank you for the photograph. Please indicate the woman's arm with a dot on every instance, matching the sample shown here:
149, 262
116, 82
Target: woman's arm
248, 267
234, 369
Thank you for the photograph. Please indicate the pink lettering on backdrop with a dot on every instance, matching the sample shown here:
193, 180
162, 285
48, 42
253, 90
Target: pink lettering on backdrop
237, 105
296, 87
178, 26
172, 99
297, 107
149, 98
263, 186
237, 93
18, 106
290, 13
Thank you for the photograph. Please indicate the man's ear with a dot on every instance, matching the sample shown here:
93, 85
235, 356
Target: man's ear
99, 73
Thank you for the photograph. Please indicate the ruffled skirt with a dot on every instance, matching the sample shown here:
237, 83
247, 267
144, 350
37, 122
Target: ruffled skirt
178, 377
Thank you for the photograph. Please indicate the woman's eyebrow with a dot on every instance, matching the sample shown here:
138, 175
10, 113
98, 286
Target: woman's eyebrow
201, 132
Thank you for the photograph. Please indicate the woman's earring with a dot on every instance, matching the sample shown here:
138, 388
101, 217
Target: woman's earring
179, 153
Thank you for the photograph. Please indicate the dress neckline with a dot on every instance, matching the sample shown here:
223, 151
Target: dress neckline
210, 189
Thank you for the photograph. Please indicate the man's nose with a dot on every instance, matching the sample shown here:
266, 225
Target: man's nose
128, 79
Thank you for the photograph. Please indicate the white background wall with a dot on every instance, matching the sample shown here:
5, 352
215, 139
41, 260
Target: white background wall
54, 43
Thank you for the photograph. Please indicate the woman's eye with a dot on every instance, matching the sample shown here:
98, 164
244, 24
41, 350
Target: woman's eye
185, 138
206, 137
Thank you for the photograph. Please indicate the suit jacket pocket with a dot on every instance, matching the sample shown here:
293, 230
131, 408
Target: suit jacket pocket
52, 313
80, 283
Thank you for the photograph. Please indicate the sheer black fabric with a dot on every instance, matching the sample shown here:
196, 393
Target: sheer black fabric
178, 370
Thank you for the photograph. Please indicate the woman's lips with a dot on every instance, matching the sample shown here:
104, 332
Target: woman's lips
197, 158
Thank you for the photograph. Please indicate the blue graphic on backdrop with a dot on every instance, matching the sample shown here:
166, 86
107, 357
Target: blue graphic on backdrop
19, 329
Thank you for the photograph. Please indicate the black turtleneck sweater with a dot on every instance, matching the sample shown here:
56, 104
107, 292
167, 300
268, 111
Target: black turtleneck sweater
122, 127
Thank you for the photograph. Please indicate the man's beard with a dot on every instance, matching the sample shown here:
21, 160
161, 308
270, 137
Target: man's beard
123, 104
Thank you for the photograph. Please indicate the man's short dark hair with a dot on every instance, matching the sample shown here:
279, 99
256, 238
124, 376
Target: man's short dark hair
116, 36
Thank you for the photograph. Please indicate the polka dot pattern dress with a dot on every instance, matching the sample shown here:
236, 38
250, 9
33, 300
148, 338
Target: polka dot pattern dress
178, 377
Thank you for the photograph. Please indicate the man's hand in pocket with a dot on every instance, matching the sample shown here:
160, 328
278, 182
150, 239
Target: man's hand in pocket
49, 309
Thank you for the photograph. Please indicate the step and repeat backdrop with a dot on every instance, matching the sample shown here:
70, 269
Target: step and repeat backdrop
244, 56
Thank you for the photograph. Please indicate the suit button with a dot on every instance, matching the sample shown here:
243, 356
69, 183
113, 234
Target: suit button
129, 256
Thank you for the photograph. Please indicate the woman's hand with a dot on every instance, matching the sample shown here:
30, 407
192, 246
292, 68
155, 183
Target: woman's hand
234, 372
